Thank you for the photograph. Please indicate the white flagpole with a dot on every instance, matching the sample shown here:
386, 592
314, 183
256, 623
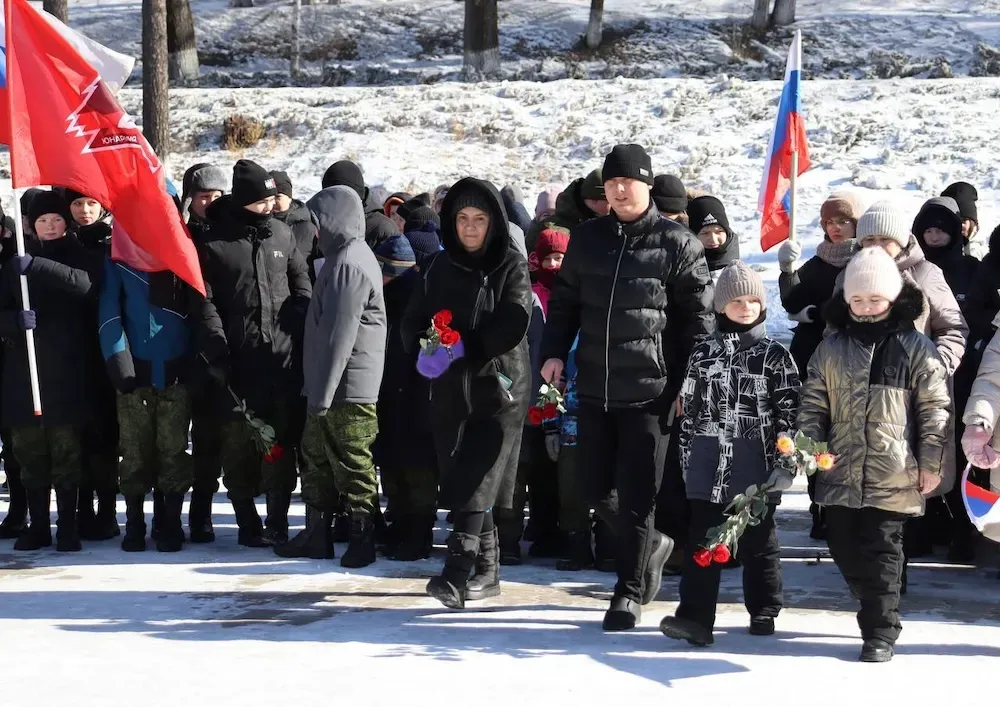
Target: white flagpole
29, 335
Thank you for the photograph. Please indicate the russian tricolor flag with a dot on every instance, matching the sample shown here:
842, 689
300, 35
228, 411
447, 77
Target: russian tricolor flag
113, 67
982, 506
788, 138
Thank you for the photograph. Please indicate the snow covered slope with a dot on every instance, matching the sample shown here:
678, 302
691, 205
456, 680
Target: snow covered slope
373, 42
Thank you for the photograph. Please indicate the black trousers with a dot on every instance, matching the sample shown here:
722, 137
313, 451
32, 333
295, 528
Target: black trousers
867, 545
672, 514
758, 551
624, 449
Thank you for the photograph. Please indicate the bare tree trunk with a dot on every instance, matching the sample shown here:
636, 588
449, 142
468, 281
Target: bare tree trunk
595, 28
482, 36
181, 49
784, 13
155, 106
296, 40
761, 14
57, 8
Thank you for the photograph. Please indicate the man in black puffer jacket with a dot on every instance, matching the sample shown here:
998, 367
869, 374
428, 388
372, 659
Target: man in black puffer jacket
249, 326
636, 287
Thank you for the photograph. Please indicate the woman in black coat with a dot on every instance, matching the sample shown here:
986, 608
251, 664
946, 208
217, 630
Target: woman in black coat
479, 401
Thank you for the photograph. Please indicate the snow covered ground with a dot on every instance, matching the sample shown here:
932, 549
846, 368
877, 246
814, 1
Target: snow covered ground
223, 625
377, 42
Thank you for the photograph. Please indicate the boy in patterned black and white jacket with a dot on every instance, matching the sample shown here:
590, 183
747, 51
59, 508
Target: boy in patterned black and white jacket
740, 391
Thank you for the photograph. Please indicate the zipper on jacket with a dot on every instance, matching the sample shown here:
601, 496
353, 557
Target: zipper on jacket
607, 331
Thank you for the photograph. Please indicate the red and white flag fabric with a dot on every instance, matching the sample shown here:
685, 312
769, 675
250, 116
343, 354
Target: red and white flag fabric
67, 129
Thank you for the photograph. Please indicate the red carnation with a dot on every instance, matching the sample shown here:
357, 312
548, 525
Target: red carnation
702, 557
275, 453
721, 554
442, 320
550, 411
535, 415
449, 337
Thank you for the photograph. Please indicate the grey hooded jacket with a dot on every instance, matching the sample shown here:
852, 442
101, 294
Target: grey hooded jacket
345, 332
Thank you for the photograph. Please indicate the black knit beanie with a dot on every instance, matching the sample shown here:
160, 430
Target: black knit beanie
707, 211
420, 217
630, 162
669, 194
410, 205
251, 183
345, 173
283, 183
48, 202
474, 198
966, 196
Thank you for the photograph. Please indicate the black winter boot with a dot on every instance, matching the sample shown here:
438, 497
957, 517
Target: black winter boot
154, 525
86, 520
579, 555
251, 529
414, 537
689, 630
510, 530
361, 550
276, 523
67, 537
200, 517
315, 541
106, 521
663, 545
17, 512
485, 582
875, 650
605, 547
39, 532
342, 527
135, 524
622, 615
449, 587
381, 528
171, 529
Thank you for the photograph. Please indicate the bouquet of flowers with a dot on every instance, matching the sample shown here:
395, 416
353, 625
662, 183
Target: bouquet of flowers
440, 347
548, 406
795, 456
264, 438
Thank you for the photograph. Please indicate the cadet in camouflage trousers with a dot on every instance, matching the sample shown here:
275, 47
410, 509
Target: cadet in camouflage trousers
336, 448
146, 342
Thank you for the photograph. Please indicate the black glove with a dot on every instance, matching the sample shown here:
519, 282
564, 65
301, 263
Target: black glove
22, 263
27, 319
121, 372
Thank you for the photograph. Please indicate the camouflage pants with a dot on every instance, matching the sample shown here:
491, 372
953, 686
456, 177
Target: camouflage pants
153, 427
49, 456
337, 452
245, 472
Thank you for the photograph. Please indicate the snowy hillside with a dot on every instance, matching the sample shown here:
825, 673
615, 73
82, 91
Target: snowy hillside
377, 42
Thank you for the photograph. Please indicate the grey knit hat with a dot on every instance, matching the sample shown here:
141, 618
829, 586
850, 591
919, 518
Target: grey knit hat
738, 280
209, 178
884, 219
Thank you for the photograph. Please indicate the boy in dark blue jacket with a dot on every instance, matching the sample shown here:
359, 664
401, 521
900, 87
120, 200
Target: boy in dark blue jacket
146, 342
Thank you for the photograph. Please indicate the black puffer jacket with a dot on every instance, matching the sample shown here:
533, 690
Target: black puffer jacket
304, 228
638, 294
983, 301
257, 292
63, 287
959, 269
476, 420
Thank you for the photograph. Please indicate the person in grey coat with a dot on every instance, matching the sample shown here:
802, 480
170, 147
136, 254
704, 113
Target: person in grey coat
343, 360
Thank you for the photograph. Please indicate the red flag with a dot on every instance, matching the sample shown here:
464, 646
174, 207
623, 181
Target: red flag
67, 129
